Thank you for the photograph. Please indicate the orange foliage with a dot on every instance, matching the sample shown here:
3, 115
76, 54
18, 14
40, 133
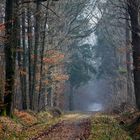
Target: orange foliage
22, 72
25, 118
60, 77
10, 125
54, 57
46, 82
2, 27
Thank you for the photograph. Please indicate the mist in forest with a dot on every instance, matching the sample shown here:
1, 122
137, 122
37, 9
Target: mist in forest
111, 85
92, 97
76, 56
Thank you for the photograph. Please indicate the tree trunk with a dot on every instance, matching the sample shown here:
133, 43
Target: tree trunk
133, 9
130, 78
30, 49
9, 57
37, 36
41, 65
23, 76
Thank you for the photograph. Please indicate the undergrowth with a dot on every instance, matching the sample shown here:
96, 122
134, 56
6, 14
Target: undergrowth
107, 128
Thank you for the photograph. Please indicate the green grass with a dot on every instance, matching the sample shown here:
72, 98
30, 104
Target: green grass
107, 128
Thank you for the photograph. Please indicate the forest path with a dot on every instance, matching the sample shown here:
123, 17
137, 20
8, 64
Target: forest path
71, 127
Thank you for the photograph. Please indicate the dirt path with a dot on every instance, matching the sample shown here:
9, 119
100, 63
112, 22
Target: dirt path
72, 127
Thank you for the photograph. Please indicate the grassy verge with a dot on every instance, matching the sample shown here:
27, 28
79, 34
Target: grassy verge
26, 125
107, 128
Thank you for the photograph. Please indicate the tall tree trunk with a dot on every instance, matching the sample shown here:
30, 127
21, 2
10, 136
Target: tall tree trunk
23, 76
30, 49
9, 57
17, 94
133, 8
37, 35
130, 85
41, 65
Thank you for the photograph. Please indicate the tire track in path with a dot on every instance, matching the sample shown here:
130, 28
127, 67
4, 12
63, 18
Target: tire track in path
72, 127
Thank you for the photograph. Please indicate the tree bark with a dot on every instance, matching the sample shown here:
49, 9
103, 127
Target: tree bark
41, 65
130, 78
37, 36
30, 49
23, 76
133, 8
9, 57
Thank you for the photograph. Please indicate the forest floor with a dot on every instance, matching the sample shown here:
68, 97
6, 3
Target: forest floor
52, 125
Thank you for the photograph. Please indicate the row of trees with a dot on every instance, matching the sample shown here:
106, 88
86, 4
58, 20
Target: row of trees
43, 46
38, 40
114, 54
116, 51
118, 42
